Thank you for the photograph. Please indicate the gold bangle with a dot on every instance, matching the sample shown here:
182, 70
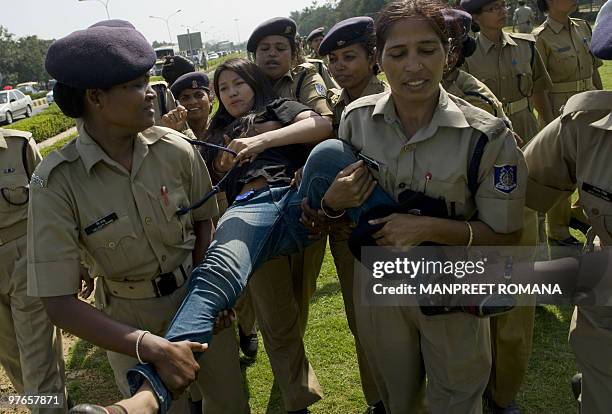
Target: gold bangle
471, 233
329, 215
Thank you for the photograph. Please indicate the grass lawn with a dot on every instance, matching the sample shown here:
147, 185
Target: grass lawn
330, 348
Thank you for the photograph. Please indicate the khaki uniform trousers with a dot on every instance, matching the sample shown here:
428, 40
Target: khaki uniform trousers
512, 333
403, 346
591, 339
271, 291
219, 379
30, 346
345, 268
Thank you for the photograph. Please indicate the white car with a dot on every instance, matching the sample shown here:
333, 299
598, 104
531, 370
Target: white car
14, 103
213, 55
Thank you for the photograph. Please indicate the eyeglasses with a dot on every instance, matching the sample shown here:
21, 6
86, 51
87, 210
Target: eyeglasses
186, 98
497, 7
16, 196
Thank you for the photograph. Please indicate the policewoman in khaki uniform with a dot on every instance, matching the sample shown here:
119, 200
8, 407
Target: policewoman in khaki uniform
30, 346
563, 43
421, 139
581, 142
457, 81
113, 193
510, 65
350, 47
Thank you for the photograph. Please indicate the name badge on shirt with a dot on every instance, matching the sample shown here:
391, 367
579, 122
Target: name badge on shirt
100, 224
564, 49
8, 170
597, 192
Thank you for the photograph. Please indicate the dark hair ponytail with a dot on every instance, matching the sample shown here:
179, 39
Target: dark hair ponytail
70, 100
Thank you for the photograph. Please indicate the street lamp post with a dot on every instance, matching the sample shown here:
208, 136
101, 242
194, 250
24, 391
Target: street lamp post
189, 34
237, 30
104, 3
166, 19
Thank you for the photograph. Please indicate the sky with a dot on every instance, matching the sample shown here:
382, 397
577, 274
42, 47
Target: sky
52, 19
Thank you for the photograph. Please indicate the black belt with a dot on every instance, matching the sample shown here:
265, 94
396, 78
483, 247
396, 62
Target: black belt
165, 284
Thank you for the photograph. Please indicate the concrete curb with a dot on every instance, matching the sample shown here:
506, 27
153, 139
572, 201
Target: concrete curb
39, 102
50, 141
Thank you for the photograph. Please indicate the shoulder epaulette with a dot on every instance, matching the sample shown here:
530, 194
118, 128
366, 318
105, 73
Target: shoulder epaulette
369, 100
536, 31
480, 119
588, 101
523, 36
7, 133
68, 153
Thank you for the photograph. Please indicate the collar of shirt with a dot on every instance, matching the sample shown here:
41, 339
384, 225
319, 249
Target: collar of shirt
370, 89
91, 153
487, 44
556, 26
604, 123
446, 114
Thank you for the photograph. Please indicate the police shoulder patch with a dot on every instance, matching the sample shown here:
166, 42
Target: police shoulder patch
321, 89
505, 178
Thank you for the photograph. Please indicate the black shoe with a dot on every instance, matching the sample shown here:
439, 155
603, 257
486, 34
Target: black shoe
511, 408
579, 225
195, 407
249, 344
377, 408
571, 241
577, 385
97, 409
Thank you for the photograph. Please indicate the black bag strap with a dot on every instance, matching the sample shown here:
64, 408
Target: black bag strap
298, 89
24, 159
475, 163
484, 98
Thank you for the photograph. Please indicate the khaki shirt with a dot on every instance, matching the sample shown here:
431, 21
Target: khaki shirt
125, 220
339, 99
567, 56
14, 179
512, 70
574, 151
435, 160
313, 92
324, 72
470, 89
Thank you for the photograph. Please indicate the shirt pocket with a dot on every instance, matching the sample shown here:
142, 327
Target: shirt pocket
599, 212
452, 192
15, 193
174, 229
112, 247
565, 59
523, 79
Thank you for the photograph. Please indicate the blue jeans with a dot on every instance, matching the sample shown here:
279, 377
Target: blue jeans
250, 233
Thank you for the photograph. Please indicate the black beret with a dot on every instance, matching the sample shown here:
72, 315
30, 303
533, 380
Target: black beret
99, 57
347, 32
316, 32
458, 22
472, 6
601, 43
193, 80
176, 66
114, 23
281, 26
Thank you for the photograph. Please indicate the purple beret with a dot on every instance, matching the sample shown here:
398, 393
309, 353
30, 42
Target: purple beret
99, 57
315, 33
601, 43
281, 26
193, 80
114, 23
346, 33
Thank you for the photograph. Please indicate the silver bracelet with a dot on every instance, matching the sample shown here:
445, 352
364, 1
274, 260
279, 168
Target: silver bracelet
329, 215
140, 336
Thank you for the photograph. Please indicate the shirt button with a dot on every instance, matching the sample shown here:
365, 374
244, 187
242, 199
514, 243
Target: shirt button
148, 220
595, 211
163, 258
402, 185
111, 245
